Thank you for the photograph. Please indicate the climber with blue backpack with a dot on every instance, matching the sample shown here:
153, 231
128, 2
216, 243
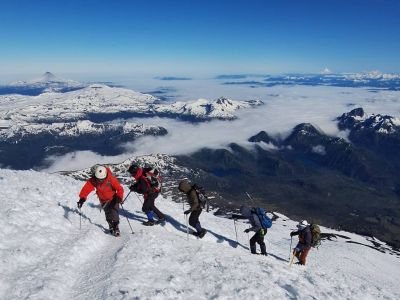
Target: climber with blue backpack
260, 223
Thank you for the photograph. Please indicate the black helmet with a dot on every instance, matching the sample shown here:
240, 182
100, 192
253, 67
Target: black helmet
133, 168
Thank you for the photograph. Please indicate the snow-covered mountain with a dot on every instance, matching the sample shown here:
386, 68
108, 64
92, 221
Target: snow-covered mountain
221, 108
48, 79
374, 79
17, 133
48, 82
46, 255
358, 120
101, 102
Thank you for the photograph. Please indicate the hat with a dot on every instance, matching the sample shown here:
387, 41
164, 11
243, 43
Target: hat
303, 224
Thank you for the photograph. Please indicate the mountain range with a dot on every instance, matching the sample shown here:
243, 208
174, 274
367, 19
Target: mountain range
374, 79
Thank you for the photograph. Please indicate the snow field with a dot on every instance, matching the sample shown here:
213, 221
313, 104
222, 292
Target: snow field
44, 254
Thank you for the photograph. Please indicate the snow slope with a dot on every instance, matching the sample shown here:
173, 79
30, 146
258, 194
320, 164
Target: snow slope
44, 254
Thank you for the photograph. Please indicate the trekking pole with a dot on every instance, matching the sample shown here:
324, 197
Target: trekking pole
187, 228
290, 251
127, 217
123, 201
139, 198
80, 219
234, 224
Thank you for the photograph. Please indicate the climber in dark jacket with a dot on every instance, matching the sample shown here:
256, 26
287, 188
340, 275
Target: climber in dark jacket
258, 237
304, 244
195, 210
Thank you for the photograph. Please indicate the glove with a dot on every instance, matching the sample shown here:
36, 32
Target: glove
187, 211
132, 188
80, 202
292, 234
247, 230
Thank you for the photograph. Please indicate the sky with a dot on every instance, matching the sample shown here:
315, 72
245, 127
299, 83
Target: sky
196, 38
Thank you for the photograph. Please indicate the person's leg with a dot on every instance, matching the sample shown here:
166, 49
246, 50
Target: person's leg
261, 242
112, 216
194, 220
147, 209
253, 241
303, 255
159, 214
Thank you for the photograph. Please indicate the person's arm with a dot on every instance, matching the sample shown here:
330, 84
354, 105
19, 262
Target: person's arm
86, 189
255, 222
139, 186
195, 200
307, 238
238, 217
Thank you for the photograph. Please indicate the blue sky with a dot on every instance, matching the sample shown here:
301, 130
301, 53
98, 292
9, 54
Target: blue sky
174, 37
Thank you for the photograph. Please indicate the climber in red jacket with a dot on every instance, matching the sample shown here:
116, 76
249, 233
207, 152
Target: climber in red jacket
110, 193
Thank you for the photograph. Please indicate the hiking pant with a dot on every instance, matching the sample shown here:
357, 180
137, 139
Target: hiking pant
194, 219
111, 209
302, 255
258, 237
148, 205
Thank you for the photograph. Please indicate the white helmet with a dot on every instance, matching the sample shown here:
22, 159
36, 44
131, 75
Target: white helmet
100, 172
303, 224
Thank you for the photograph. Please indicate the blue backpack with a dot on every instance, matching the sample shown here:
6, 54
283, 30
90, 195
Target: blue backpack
265, 221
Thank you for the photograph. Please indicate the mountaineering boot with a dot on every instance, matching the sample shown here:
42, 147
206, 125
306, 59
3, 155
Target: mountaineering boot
202, 233
116, 231
148, 223
253, 249
150, 218
161, 220
115, 228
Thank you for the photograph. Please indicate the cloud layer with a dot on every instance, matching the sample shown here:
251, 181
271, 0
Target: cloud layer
285, 107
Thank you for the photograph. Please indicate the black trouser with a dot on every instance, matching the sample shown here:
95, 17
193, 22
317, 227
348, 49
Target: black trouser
111, 209
258, 237
148, 205
194, 219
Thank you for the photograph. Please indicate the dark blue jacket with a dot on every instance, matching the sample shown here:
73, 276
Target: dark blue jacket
252, 217
305, 238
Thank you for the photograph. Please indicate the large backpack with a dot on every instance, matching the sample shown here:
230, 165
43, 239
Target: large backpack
265, 221
315, 235
153, 177
201, 195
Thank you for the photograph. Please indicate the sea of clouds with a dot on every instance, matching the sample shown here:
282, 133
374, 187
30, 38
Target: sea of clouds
285, 107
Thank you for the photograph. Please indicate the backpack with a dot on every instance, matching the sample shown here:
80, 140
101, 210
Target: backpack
153, 177
201, 195
315, 235
265, 221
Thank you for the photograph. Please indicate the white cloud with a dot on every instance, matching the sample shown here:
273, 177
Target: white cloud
319, 149
81, 159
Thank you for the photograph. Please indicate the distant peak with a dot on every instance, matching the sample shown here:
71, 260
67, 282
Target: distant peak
48, 76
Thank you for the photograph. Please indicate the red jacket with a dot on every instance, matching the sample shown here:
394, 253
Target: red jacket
105, 189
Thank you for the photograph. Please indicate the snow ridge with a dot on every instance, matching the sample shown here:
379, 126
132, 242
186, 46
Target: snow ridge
75, 129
